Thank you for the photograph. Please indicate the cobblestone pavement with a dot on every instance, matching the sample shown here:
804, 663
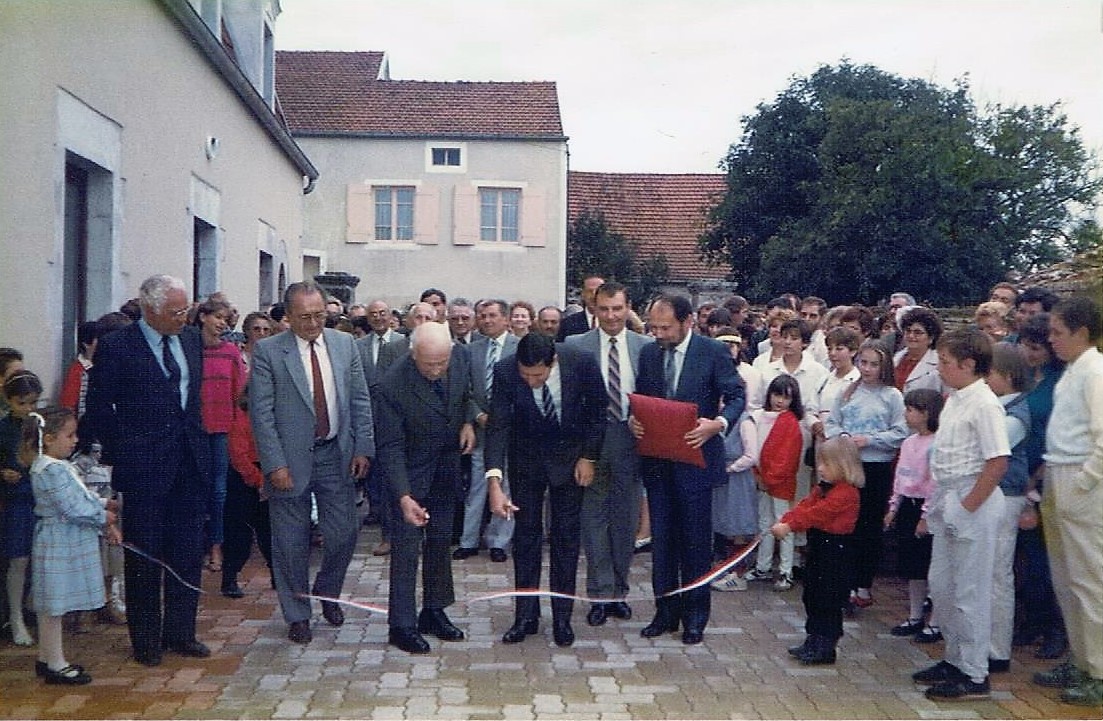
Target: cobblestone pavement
740, 671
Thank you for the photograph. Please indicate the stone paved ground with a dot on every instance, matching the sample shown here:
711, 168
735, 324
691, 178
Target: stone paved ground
740, 671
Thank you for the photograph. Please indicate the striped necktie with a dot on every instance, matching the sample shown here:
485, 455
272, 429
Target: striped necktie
491, 359
549, 405
613, 385
668, 373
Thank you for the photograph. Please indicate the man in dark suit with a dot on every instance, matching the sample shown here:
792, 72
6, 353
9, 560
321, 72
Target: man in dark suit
425, 423
494, 344
143, 405
611, 504
585, 319
685, 366
548, 410
312, 419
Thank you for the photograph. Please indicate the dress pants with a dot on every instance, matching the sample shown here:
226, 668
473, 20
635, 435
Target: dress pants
1072, 510
332, 487
681, 544
610, 513
963, 558
565, 502
170, 529
431, 543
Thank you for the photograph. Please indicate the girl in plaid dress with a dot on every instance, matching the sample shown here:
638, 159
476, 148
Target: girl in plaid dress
68, 574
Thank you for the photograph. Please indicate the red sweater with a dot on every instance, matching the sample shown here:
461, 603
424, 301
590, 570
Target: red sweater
223, 383
834, 511
243, 451
779, 459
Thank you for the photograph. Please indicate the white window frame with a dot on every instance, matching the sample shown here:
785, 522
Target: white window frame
393, 229
431, 168
499, 227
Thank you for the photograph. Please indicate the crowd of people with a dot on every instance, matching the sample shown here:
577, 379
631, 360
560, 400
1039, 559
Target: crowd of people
823, 433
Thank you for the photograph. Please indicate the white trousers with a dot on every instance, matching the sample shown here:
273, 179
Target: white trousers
1003, 578
770, 511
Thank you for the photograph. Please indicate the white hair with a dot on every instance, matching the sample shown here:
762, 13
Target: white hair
430, 334
154, 290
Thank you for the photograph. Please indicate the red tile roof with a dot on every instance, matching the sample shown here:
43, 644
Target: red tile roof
662, 213
342, 93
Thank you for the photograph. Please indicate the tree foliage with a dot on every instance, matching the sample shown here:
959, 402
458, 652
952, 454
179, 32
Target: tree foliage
593, 248
854, 183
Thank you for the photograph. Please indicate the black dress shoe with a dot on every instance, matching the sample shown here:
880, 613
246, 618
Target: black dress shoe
299, 632
461, 553
596, 616
193, 648
232, 590
436, 622
408, 640
69, 676
332, 613
40, 668
619, 609
148, 658
562, 633
498, 555
521, 629
692, 636
660, 625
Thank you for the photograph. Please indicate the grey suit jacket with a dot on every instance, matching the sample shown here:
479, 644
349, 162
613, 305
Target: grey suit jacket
281, 407
392, 352
476, 352
372, 369
590, 342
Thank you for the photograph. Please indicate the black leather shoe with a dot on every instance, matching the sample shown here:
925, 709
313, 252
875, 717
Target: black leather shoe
461, 553
332, 613
436, 622
193, 648
299, 632
660, 625
619, 609
69, 676
498, 555
562, 633
408, 640
799, 650
692, 636
232, 590
149, 658
596, 616
40, 668
521, 629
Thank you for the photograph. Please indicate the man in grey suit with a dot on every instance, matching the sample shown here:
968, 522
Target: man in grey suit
425, 423
611, 504
495, 344
312, 419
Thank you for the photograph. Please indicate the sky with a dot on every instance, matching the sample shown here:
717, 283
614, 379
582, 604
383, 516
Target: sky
661, 87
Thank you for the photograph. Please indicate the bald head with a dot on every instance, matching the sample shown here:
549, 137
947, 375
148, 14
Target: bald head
431, 348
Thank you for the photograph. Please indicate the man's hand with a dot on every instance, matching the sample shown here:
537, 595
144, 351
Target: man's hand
584, 472
281, 479
500, 505
360, 466
412, 511
112, 535
636, 427
467, 439
706, 429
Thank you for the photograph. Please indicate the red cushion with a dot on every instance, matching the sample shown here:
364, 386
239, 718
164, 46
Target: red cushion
665, 423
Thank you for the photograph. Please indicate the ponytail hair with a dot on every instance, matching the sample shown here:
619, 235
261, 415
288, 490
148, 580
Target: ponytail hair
47, 421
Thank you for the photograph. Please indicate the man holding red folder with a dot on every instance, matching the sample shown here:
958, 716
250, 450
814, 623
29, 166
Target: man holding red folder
688, 367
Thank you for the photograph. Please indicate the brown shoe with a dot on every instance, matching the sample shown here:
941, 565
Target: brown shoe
383, 548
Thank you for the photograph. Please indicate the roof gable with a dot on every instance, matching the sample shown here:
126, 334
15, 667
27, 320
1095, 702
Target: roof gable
324, 93
661, 213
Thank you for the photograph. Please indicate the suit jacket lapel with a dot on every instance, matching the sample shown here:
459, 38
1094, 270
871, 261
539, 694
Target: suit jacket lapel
338, 363
294, 363
421, 388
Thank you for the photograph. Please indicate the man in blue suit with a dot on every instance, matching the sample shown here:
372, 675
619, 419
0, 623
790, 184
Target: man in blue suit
312, 419
143, 406
685, 366
548, 411
611, 504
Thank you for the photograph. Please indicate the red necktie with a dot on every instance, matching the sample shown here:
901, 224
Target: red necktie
321, 408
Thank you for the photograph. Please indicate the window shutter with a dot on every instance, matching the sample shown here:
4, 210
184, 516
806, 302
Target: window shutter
533, 220
465, 214
360, 214
426, 216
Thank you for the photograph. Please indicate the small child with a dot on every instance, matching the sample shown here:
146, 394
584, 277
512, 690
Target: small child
21, 391
68, 575
912, 486
968, 458
773, 449
97, 478
828, 514
247, 513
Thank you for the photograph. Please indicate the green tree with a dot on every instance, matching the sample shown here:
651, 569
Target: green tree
855, 183
593, 248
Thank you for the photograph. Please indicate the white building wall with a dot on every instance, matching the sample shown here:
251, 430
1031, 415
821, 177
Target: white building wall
398, 271
121, 82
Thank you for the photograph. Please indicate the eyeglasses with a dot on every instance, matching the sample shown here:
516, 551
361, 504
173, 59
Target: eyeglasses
181, 313
318, 317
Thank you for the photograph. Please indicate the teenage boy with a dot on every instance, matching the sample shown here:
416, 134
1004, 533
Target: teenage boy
968, 458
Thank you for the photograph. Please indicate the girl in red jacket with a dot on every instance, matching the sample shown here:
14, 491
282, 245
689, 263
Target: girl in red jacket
776, 429
828, 514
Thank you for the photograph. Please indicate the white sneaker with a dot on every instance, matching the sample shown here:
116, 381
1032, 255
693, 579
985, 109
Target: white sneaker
784, 582
732, 582
756, 575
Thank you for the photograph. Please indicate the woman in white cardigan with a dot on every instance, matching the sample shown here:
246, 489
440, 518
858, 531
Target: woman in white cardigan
916, 363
